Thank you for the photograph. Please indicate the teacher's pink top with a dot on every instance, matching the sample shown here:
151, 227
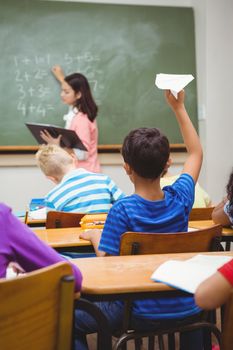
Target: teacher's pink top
88, 133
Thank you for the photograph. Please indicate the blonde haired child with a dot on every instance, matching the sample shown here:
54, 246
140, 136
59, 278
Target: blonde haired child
76, 190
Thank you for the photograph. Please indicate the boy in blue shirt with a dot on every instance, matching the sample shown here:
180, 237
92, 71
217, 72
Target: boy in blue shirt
151, 209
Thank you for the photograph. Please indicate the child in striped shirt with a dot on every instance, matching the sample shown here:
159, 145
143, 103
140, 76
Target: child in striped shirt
77, 190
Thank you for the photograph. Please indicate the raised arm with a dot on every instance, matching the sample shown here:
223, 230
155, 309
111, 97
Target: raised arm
58, 73
193, 162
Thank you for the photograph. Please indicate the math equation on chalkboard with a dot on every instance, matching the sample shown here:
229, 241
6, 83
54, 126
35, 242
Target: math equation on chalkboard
37, 91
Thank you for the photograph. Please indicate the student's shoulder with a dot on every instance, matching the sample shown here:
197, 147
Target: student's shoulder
97, 176
124, 201
183, 187
4, 207
120, 210
7, 218
100, 176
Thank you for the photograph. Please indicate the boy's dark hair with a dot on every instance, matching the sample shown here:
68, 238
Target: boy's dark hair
146, 150
230, 193
86, 103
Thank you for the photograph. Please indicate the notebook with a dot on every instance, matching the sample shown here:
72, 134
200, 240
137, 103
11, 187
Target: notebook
188, 274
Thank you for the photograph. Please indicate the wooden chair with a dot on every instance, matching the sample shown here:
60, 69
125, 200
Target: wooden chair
37, 309
164, 243
197, 214
26, 217
59, 219
203, 240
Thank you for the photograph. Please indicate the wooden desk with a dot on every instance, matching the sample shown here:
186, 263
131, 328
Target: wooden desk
36, 222
33, 222
116, 274
62, 237
126, 278
227, 232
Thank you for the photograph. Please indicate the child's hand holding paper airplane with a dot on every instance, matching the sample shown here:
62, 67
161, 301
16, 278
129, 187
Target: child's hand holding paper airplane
173, 82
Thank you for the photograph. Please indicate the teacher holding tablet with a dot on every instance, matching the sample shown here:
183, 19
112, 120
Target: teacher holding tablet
76, 92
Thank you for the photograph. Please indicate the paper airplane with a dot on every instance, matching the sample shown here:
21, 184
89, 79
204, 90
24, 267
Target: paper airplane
173, 82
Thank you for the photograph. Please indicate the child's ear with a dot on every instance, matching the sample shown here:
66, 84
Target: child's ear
128, 169
167, 166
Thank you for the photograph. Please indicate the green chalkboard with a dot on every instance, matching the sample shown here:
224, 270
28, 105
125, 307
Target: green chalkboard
120, 48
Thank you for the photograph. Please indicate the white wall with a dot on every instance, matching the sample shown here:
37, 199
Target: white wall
214, 51
219, 86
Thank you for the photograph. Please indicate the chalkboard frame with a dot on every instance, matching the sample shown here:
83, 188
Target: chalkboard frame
175, 148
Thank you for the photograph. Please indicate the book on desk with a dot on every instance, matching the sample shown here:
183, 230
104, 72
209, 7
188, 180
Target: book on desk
188, 274
37, 209
69, 137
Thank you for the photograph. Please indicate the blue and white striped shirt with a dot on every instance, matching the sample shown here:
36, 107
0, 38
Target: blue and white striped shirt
134, 213
81, 191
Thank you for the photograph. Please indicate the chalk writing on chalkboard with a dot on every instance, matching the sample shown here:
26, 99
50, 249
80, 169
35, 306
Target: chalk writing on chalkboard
119, 48
35, 83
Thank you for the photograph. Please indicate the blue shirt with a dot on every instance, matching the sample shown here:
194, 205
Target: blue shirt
134, 213
81, 191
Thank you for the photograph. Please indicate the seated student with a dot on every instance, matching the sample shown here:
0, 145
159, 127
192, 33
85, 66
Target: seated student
202, 199
76, 190
216, 289
150, 209
223, 212
20, 245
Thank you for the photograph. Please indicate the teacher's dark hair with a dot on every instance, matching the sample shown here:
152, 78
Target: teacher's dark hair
85, 103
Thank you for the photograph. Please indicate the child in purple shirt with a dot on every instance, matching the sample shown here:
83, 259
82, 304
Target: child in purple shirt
19, 244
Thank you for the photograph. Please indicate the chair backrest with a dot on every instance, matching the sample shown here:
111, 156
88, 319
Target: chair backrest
181, 242
201, 214
227, 334
59, 219
37, 309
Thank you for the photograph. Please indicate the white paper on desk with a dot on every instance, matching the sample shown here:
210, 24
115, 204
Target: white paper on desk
39, 214
173, 82
188, 274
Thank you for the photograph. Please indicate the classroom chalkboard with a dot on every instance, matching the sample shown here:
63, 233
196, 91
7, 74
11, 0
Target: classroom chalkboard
120, 48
